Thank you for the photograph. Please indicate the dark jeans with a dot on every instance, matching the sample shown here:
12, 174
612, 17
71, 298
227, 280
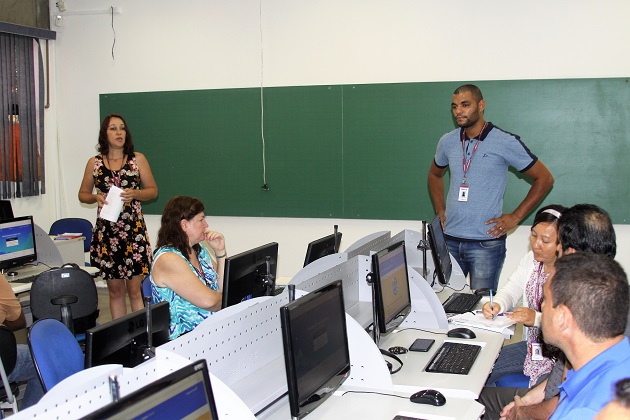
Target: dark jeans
25, 371
483, 260
494, 399
510, 360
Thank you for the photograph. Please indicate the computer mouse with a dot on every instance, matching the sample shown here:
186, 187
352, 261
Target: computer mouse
461, 333
428, 396
12, 273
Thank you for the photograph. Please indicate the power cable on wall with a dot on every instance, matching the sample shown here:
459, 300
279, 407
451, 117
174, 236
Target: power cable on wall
265, 186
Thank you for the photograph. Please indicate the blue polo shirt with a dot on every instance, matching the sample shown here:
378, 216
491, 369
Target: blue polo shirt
486, 177
587, 390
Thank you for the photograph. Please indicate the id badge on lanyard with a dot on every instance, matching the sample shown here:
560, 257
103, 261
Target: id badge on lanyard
464, 188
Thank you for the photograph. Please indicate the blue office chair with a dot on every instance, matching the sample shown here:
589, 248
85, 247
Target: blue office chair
146, 288
71, 225
55, 352
513, 380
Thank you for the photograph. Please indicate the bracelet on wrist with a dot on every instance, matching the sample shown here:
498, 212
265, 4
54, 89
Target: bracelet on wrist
221, 256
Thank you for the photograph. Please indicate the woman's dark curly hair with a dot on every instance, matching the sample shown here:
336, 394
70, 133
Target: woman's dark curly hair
177, 209
103, 144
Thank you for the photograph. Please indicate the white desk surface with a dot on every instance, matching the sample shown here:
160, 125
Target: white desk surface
35, 270
348, 405
413, 377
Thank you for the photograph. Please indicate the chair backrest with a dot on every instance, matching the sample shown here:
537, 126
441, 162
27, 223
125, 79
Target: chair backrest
74, 225
55, 352
146, 287
66, 281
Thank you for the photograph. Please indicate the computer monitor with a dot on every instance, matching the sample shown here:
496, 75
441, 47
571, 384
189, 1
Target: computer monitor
17, 242
391, 283
439, 251
250, 274
6, 210
315, 343
183, 394
123, 340
321, 247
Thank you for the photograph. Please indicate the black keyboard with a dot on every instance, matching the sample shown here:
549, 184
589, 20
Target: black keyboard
458, 303
454, 358
29, 279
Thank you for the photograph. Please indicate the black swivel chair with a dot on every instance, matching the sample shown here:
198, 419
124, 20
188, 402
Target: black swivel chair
8, 359
67, 294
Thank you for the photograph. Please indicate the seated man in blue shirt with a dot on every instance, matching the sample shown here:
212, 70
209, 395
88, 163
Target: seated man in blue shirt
584, 314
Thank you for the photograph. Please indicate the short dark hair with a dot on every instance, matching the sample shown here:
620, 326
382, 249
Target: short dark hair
586, 227
103, 144
595, 289
474, 90
177, 209
622, 392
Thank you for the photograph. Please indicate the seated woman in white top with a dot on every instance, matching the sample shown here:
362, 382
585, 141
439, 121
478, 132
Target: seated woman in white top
531, 356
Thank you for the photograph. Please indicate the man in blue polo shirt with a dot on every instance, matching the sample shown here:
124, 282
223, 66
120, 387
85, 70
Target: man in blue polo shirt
584, 314
478, 155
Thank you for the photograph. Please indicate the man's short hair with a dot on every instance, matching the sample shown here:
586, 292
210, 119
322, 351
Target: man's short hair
474, 90
586, 227
595, 289
622, 392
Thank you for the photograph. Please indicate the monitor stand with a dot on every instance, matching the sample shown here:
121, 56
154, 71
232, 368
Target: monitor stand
149, 351
424, 246
269, 280
376, 335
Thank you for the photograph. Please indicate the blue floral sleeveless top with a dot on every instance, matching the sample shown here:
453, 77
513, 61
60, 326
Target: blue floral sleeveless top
184, 315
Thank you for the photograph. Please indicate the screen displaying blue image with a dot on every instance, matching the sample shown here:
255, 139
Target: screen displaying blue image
17, 242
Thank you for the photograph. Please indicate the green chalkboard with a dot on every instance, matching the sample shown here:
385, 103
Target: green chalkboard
363, 151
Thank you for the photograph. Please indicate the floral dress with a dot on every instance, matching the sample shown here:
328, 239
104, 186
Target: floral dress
120, 249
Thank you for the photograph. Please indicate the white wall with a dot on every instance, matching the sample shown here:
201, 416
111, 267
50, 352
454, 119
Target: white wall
205, 44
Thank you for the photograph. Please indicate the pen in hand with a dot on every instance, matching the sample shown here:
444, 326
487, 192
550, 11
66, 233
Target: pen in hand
492, 304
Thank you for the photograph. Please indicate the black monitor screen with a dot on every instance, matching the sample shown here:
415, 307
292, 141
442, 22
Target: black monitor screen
123, 340
439, 251
17, 242
315, 347
321, 247
6, 210
183, 394
250, 274
393, 299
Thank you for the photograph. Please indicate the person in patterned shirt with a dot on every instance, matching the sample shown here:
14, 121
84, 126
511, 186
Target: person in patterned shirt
183, 271
120, 249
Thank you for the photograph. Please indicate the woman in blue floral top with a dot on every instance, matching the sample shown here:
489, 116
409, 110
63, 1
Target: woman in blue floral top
183, 272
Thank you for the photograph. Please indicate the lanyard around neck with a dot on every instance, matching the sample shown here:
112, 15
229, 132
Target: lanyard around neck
466, 163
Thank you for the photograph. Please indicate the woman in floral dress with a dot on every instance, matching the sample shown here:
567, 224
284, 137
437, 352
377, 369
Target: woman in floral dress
120, 249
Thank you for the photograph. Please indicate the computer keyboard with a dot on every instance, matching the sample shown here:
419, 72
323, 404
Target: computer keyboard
455, 358
458, 303
29, 279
